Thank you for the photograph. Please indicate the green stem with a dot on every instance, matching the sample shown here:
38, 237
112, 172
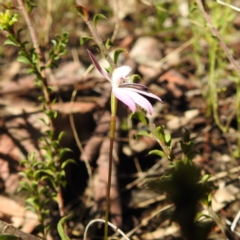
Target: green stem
85, 16
213, 87
112, 134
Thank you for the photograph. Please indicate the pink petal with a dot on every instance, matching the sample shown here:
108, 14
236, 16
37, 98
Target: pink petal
120, 94
98, 67
145, 93
120, 73
136, 98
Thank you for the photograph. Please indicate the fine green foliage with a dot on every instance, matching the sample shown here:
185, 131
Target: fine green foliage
183, 185
43, 174
58, 49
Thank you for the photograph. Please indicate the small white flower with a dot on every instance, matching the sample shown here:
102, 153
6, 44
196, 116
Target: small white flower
128, 93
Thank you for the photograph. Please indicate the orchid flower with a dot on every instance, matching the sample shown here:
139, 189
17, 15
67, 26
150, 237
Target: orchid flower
128, 93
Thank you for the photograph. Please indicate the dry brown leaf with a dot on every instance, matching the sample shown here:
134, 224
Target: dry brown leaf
27, 220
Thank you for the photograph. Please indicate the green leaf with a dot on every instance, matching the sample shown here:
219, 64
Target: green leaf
168, 139
140, 117
61, 135
23, 59
144, 133
24, 186
158, 152
49, 134
31, 208
65, 163
32, 202
134, 78
84, 39
43, 190
44, 121
55, 113
63, 151
39, 164
55, 145
60, 228
50, 89
24, 161
108, 44
205, 178
43, 171
199, 215
9, 237
98, 17
23, 174
10, 42
160, 134
117, 53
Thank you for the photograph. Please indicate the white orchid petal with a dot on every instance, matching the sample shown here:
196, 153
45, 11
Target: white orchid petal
120, 94
141, 101
120, 73
137, 99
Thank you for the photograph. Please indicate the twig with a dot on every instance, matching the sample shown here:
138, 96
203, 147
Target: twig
224, 174
6, 228
146, 220
220, 224
79, 144
31, 29
235, 221
38, 51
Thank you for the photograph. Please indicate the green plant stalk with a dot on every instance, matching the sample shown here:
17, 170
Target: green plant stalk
111, 135
104, 51
213, 87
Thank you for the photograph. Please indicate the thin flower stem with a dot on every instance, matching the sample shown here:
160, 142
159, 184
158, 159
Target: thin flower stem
104, 51
112, 135
213, 92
